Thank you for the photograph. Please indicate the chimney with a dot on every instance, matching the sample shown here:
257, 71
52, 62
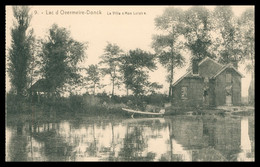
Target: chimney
195, 67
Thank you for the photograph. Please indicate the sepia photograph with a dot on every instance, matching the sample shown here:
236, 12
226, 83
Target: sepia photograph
130, 83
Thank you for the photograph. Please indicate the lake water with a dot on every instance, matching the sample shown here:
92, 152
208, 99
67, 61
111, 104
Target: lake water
176, 138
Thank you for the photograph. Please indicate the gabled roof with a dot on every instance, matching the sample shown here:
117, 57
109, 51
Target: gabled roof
181, 78
40, 86
224, 68
208, 68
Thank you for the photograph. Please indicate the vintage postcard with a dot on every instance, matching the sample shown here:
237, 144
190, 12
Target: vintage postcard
130, 83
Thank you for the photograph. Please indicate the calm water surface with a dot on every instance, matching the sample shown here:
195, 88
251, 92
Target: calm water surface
178, 138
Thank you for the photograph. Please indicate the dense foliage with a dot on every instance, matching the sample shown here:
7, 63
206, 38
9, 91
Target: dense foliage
136, 66
111, 61
21, 50
61, 55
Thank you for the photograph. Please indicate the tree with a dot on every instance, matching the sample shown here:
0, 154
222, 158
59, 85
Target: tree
247, 31
61, 55
154, 86
20, 52
135, 67
168, 45
111, 59
196, 30
228, 46
93, 77
34, 72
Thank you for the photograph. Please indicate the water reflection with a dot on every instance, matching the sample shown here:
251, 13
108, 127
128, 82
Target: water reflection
180, 138
246, 148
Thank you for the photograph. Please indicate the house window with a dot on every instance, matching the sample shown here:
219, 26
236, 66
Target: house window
228, 78
184, 93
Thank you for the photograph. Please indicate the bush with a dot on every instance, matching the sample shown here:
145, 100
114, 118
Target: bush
88, 104
221, 113
103, 98
14, 105
244, 113
10, 101
157, 99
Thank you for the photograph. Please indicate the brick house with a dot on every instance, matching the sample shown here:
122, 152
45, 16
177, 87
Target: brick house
208, 83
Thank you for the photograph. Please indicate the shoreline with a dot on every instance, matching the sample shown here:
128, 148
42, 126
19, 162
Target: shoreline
39, 114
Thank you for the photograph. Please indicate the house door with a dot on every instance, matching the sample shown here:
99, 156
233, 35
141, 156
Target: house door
229, 95
206, 92
206, 98
228, 100
228, 89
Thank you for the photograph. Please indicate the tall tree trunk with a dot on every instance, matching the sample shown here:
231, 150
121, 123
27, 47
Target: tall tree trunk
171, 77
30, 93
170, 90
94, 88
113, 82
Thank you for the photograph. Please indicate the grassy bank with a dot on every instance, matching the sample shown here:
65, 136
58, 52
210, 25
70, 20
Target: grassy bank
100, 105
219, 111
75, 103
103, 106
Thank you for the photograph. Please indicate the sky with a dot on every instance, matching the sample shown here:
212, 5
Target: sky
129, 27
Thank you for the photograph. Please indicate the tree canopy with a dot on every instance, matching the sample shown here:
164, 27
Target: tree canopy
247, 38
196, 30
111, 60
61, 55
167, 45
20, 52
228, 45
135, 67
93, 77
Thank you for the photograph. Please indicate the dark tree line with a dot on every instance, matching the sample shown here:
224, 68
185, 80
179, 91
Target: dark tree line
131, 69
54, 58
217, 34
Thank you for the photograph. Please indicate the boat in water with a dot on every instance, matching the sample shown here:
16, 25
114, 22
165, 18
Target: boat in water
160, 113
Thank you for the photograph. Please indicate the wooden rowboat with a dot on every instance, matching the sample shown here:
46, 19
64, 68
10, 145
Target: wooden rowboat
143, 112
142, 120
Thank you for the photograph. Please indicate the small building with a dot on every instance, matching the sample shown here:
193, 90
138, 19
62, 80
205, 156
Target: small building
208, 83
39, 90
39, 86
